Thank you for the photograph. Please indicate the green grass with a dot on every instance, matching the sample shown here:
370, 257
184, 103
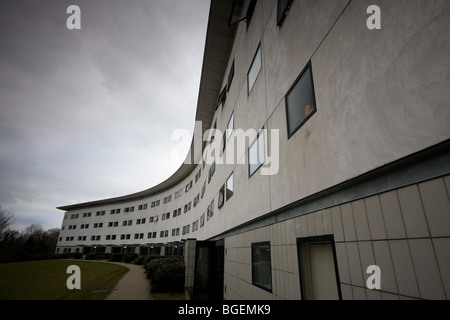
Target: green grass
46, 280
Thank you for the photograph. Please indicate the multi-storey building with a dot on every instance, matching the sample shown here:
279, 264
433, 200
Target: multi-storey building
338, 184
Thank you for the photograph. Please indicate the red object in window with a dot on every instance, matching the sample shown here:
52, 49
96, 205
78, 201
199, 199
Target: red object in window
308, 110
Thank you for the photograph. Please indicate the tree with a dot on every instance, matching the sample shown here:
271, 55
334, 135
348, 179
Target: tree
6, 220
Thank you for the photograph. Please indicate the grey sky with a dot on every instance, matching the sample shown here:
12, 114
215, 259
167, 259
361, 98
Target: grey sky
88, 114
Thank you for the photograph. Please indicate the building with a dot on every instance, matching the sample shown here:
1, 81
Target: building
341, 190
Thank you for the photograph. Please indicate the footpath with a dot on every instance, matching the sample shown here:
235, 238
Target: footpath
134, 285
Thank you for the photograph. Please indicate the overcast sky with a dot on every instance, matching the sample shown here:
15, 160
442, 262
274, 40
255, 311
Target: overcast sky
88, 114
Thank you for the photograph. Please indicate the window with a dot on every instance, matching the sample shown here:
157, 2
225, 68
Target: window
230, 76
300, 101
256, 154
242, 10
254, 70
223, 143
230, 126
319, 277
203, 189
196, 199
230, 187
210, 211
202, 220
261, 266
212, 169
282, 10
221, 200
222, 98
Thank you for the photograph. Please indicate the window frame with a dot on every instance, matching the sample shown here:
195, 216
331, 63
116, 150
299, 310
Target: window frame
282, 12
231, 176
253, 266
256, 141
258, 50
291, 132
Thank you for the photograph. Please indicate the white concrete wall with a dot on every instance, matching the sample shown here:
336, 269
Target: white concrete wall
381, 95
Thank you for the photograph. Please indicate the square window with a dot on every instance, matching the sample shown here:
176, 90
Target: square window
230, 187
221, 200
222, 98
230, 76
230, 126
261, 266
242, 10
256, 154
300, 101
283, 7
254, 70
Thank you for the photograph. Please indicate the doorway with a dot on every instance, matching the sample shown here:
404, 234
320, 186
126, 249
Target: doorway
209, 268
319, 276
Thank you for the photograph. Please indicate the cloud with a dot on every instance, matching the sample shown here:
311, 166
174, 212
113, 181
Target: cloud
88, 114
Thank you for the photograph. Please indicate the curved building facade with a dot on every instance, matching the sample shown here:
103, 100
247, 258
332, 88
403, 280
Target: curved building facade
320, 163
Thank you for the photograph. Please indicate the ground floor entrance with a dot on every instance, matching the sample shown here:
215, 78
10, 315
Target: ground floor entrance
209, 268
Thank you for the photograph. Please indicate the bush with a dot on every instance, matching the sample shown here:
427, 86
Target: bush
75, 255
116, 257
166, 274
139, 260
95, 256
128, 258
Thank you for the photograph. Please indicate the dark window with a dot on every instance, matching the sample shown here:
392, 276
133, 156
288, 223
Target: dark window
221, 200
261, 266
222, 98
230, 76
282, 10
230, 187
242, 10
300, 101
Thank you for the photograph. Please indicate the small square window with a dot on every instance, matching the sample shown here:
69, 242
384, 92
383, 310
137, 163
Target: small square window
230, 76
283, 7
242, 10
230, 187
254, 70
230, 126
300, 101
256, 154
221, 200
261, 266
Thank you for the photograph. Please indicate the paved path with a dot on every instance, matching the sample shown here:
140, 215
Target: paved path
134, 285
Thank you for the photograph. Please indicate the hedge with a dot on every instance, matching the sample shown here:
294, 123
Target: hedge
166, 274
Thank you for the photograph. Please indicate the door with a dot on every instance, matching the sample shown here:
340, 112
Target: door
208, 278
319, 278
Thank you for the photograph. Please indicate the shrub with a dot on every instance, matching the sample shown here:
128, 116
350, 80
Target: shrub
169, 277
166, 274
139, 260
128, 258
116, 257
95, 256
75, 255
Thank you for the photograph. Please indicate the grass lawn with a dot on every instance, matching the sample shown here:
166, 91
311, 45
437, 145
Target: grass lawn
46, 280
